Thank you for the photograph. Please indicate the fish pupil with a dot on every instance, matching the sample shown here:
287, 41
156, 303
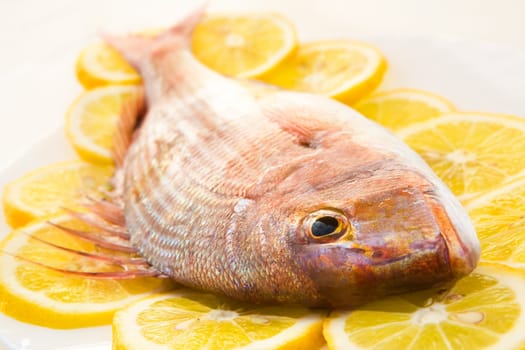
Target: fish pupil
324, 226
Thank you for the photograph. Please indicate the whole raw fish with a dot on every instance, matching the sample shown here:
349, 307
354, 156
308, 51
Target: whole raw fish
292, 198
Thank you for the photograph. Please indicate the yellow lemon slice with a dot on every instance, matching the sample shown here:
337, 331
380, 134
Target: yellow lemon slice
471, 152
188, 320
47, 190
38, 295
485, 310
244, 46
99, 64
343, 69
399, 108
499, 219
91, 120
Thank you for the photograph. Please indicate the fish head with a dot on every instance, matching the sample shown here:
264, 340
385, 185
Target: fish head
362, 235
381, 235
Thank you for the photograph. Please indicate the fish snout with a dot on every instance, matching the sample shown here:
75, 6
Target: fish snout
422, 220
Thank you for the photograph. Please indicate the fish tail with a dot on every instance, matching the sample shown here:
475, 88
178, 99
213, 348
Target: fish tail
137, 48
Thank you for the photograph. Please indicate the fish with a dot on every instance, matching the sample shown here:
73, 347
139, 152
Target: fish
289, 198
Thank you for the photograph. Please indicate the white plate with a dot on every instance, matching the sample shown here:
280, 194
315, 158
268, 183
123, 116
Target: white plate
474, 76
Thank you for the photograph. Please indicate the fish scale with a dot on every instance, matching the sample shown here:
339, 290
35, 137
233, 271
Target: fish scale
226, 193
188, 194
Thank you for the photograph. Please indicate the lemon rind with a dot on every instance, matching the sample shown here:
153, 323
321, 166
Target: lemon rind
457, 117
433, 100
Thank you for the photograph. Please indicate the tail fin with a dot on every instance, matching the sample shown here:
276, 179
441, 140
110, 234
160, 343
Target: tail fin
137, 48
138, 51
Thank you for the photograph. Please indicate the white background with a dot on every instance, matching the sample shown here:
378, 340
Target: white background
39, 41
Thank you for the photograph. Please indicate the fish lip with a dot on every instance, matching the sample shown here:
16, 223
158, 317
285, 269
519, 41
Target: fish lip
366, 253
462, 259
431, 248
386, 261
457, 232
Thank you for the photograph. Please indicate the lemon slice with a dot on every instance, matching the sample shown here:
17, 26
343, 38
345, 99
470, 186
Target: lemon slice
399, 108
99, 64
342, 69
38, 295
471, 152
499, 219
187, 320
243, 46
91, 121
485, 310
47, 190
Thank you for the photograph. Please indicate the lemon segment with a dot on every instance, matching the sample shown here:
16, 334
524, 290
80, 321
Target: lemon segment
342, 69
91, 121
499, 219
399, 108
41, 296
471, 152
245, 45
99, 64
485, 310
187, 319
47, 190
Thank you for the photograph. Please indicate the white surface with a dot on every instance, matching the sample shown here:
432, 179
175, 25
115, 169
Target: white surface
40, 41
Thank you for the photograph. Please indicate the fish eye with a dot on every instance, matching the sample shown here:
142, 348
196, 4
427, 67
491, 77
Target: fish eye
326, 225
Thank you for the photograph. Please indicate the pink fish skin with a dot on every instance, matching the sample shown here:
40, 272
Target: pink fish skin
291, 198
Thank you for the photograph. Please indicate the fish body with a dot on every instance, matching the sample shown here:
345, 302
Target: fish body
291, 198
